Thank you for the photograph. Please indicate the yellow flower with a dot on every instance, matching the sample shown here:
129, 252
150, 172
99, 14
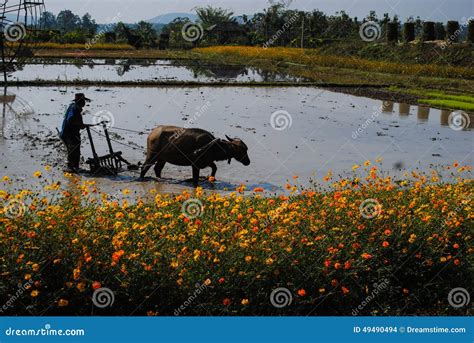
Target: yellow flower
37, 174
269, 261
248, 259
35, 267
34, 293
6, 178
245, 302
81, 286
367, 163
47, 168
355, 167
63, 302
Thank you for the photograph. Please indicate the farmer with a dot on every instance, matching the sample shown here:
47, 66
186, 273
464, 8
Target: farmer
70, 132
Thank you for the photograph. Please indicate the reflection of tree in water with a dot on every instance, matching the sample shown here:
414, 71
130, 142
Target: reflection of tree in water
215, 71
125, 66
232, 72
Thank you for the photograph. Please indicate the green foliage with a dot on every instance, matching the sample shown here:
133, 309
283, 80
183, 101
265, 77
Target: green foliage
214, 15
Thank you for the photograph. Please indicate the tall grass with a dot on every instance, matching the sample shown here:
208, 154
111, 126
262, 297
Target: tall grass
311, 58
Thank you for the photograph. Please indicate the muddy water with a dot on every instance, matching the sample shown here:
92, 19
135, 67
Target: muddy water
312, 132
142, 70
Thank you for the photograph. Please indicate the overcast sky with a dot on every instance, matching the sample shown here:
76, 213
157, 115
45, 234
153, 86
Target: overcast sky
133, 10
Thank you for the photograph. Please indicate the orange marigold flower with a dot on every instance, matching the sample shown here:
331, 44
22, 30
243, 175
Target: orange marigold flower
388, 232
245, 302
456, 262
226, 302
456, 246
258, 190
96, 285
301, 292
76, 273
221, 280
345, 290
366, 256
63, 302
385, 244
334, 282
117, 255
34, 293
337, 265
406, 291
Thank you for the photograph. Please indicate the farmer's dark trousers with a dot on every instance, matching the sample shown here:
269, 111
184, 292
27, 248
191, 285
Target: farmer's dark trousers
73, 145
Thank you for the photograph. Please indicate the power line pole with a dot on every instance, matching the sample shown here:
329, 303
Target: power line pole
302, 33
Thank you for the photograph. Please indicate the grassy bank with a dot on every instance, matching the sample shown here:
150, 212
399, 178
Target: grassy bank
440, 99
207, 254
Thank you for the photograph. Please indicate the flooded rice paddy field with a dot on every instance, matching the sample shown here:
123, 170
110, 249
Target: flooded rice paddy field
142, 70
312, 132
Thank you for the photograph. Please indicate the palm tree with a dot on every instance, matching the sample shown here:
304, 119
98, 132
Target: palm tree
209, 15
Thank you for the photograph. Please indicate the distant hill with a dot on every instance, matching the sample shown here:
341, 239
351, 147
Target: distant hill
169, 17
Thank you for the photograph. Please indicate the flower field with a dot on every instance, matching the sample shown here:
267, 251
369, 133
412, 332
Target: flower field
364, 245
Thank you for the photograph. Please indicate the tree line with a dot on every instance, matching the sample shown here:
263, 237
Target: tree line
275, 26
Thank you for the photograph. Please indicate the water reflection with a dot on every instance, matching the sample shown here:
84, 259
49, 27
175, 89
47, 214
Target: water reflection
457, 120
404, 109
387, 106
144, 70
445, 117
423, 113
230, 72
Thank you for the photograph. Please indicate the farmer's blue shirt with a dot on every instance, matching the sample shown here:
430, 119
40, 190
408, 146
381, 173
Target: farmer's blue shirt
72, 123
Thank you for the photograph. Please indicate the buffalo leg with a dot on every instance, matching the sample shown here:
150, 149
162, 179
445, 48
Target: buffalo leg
214, 169
195, 176
159, 167
146, 166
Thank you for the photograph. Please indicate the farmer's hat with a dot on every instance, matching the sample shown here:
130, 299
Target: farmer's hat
81, 96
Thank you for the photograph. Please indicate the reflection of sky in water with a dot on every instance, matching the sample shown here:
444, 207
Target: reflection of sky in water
142, 70
329, 131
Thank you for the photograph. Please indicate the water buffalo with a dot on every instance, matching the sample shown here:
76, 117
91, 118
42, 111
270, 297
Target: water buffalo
191, 147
